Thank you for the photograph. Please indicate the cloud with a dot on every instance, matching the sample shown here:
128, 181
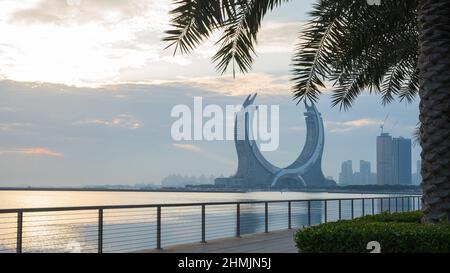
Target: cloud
346, 126
32, 151
279, 37
196, 149
100, 42
8, 127
361, 122
122, 121
263, 83
188, 147
296, 129
91, 44
8, 109
61, 12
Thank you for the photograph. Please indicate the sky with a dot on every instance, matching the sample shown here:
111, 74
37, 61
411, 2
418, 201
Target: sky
86, 92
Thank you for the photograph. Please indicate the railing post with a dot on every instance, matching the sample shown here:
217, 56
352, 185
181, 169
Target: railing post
403, 204
381, 204
340, 209
414, 203
396, 204
353, 209
100, 231
309, 213
203, 224
289, 215
389, 204
409, 203
238, 220
266, 217
325, 209
158, 227
373, 206
363, 206
19, 231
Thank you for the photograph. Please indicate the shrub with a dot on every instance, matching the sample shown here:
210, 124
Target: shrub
402, 217
396, 233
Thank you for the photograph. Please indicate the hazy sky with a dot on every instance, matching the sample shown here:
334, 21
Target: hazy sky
86, 91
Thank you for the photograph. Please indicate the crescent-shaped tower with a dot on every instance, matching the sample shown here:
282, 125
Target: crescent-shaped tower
254, 171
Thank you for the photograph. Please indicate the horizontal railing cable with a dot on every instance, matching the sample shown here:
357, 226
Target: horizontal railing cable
119, 228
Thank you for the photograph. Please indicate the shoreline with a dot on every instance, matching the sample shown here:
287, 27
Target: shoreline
203, 191
115, 190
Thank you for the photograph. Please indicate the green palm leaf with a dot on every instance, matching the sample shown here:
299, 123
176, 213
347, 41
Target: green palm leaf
349, 44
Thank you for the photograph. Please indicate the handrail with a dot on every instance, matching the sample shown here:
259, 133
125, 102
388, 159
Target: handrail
239, 225
75, 208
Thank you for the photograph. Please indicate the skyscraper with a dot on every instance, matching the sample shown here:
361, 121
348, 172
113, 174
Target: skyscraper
364, 169
346, 175
384, 159
401, 153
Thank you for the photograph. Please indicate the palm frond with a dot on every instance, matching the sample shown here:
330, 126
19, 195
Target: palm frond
348, 89
192, 22
238, 40
237, 43
363, 48
313, 56
393, 82
409, 90
354, 46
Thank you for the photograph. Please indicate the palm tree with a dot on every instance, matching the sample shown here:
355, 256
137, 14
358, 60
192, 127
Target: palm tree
394, 49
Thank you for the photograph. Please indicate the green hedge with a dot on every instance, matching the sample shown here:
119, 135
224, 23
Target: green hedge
396, 233
401, 217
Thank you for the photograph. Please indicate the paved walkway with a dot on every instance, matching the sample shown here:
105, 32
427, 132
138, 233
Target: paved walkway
272, 242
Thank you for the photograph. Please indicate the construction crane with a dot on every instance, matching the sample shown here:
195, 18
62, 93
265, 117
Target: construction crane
384, 122
393, 126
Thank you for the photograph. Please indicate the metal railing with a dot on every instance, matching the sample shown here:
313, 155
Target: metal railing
124, 228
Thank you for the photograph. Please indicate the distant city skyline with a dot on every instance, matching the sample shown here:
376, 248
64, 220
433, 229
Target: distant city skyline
177, 180
394, 165
363, 177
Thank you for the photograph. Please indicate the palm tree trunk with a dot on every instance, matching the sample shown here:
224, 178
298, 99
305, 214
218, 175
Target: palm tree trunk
434, 65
